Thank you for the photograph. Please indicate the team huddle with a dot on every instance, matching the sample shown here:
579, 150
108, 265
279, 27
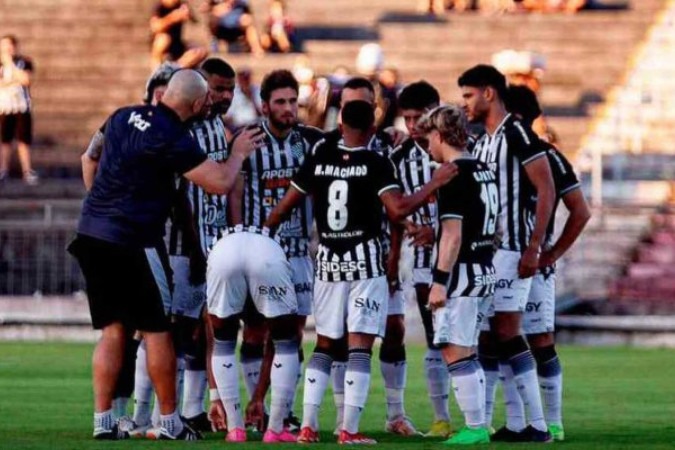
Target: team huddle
188, 234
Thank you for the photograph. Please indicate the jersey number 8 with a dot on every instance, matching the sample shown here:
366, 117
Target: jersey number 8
337, 205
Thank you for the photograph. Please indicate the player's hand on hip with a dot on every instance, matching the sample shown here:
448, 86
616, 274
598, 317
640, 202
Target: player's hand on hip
444, 173
438, 296
529, 263
546, 259
248, 141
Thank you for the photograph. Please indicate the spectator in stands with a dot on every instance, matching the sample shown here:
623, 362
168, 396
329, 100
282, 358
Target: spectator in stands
166, 25
303, 72
569, 6
246, 105
369, 64
279, 33
16, 121
230, 20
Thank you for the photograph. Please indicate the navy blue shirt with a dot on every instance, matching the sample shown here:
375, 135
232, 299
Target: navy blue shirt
144, 149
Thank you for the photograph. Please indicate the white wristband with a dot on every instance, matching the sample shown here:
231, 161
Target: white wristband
213, 395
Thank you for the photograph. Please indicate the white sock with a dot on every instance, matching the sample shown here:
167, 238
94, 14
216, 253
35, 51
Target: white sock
119, 406
194, 387
284, 378
491, 371
251, 362
394, 375
142, 389
525, 375
513, 404
357, 384
438, 384
298, 379
317, 376
226, 373
172, 423
103, 420
338, 371
468, 383
551, 383
155, 419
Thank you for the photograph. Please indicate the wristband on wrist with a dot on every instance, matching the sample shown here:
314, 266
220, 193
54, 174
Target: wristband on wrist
213, 395
440, 276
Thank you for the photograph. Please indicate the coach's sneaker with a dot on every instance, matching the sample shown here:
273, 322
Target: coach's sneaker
557, 432
347, 438
531, 434
188, 434
236, 435
505, 434
200, 423
308, 436
440, 428
402, 426
110, 434
272, 437
469, 436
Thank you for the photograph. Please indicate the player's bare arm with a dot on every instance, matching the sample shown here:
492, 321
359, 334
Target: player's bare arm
399, 206
234, 201
90, 159
539, 173
218, 178
280, 212
580, 214
448, 249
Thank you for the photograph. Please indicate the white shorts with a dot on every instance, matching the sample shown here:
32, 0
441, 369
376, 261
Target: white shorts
458, 322
396, 305
422, 276
302, 274
187, 300
361, 304
511, 292
539, 316
245, 263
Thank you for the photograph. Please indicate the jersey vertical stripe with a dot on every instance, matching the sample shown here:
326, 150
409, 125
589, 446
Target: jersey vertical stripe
414, 170
268, 173
209, 210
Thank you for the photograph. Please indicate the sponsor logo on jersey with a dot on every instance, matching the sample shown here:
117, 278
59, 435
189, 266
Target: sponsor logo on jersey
342, 266
532, 306
278, 178
218, 156
214, 216
485, 279
504, 284
329, 170
137, 120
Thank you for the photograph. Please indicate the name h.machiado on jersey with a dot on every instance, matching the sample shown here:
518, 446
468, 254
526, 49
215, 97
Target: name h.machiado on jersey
330, 170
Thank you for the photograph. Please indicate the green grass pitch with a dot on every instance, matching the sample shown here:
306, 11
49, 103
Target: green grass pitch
615, 398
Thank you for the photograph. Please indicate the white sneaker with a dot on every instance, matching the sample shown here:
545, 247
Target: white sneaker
139, 430
402, 426
126, 423
31, 178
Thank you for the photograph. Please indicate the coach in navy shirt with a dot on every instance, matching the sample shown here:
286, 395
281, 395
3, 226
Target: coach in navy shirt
119, 243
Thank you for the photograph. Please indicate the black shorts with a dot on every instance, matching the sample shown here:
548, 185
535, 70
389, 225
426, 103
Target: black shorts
124, 284
16, 126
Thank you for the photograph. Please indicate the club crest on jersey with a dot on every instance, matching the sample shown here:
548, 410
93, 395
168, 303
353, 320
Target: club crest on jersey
345, 157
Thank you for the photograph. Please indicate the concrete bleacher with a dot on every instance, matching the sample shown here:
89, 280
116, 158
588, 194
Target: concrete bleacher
92, 56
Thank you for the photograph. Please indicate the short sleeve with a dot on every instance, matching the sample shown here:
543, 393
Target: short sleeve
384, 178
563, 174
524, 144
304, 178
451, 200
185, 154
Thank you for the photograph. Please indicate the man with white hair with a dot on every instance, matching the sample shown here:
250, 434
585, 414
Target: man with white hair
119, 242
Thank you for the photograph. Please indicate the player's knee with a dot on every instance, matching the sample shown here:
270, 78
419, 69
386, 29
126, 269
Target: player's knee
395, 331
392, 353
544, 354
540, 340
227, 329
512, 347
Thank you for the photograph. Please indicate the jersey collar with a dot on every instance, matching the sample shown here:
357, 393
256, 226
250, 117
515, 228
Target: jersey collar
500, 126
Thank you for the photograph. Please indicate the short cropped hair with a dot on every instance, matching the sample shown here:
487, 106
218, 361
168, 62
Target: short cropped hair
522, 100
450, 122
277, 79
419, 95
217, 66
358, 115
358, 83
482, 76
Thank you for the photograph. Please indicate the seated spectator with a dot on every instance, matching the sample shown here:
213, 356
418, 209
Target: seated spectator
246, 107
166, 25
16, 122
230, 20
279, 36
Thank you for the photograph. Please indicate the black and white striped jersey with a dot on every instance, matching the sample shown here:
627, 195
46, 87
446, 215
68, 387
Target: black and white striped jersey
267, 176
472, 197
346, 184
507, 152
414, 169
565, 181
200, 217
